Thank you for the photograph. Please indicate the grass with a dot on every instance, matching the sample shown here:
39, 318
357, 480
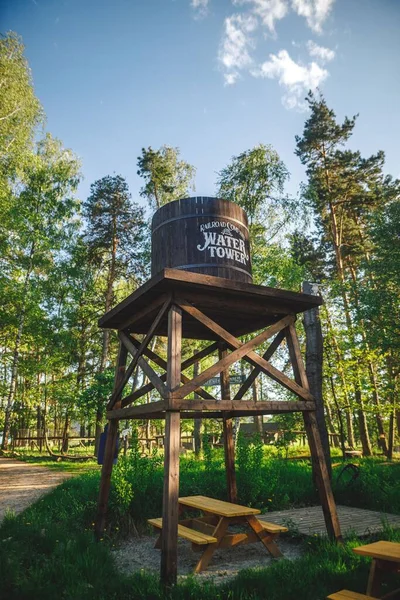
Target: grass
50, 548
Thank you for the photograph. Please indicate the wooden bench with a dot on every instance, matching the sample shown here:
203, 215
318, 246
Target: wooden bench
272, 527
348, 595
196, 537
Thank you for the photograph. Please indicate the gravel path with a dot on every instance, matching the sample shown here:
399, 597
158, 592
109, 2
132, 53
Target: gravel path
139, 553
21, 484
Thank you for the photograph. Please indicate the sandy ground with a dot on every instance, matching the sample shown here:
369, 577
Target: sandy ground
139, 553
21, 484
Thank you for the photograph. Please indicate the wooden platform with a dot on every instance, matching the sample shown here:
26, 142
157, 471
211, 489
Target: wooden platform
239, 307
310, 520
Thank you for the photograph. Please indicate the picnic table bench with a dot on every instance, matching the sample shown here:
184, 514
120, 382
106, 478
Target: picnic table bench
210, 531
385, 558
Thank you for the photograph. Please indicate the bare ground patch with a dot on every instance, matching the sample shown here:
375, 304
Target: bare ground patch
21, 484
139, 553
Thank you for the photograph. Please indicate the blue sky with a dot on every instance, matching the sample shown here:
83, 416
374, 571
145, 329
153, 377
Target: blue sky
213, 77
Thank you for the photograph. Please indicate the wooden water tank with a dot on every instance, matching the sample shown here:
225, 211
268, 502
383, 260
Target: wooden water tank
203, 235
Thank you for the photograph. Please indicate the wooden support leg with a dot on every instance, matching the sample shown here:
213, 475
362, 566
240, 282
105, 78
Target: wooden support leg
169, 540
109, 451
218, 533
229, 447
318, 458
265, 538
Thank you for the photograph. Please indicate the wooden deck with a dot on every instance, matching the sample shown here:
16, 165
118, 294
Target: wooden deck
310, 520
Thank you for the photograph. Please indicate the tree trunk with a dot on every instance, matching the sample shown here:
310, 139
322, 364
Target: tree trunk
106, 332
65, 440
258, 420
337, 244
15, 360
342, 376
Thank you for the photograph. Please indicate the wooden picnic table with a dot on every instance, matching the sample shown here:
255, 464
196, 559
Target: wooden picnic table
385, 558
210, 531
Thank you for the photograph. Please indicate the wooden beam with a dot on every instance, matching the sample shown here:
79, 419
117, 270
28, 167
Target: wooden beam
137, 411
174, 352
145, 389
151, 374
140, 314
169, 541
242, 350
227, 429
229, 446
186, 364
138, 353
154, 377
249, 354
261, 407
317, 453
210, 414
109, 451
257, 370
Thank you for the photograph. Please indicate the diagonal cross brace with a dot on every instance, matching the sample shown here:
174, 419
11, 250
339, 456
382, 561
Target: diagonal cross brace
257, 370
138, 352
144, 365
162, 363
242, 351
156, 358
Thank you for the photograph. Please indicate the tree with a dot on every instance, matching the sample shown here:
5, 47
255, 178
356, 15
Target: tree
255, 180
166, 176
20, 112
343, 189
115, 236
39, 221
380, 301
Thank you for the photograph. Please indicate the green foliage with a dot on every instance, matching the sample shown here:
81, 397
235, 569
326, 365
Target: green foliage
115, 227
93, 397
20, 113
166, 176
249, 459
255, 180
289, 424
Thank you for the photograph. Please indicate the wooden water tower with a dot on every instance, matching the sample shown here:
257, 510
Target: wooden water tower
201, 288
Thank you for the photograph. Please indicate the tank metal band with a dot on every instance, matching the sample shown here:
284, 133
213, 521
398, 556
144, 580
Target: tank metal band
213, 266
213, 216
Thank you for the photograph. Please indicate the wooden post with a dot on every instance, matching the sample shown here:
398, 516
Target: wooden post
229, 446
314, 358
318, 458
109, 450
169, 541
197, 422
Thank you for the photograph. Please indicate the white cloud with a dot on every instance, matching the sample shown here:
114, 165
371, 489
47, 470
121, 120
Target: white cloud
269, 11
319, 52
234, 49
294, 77
314, 11
231, 78
201, 7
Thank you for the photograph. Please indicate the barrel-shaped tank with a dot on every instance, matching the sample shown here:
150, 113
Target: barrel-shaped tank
204, 235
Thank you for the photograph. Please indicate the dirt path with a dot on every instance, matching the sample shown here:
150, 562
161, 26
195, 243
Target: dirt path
22, 483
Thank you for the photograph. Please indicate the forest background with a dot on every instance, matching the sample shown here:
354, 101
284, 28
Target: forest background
65, 261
